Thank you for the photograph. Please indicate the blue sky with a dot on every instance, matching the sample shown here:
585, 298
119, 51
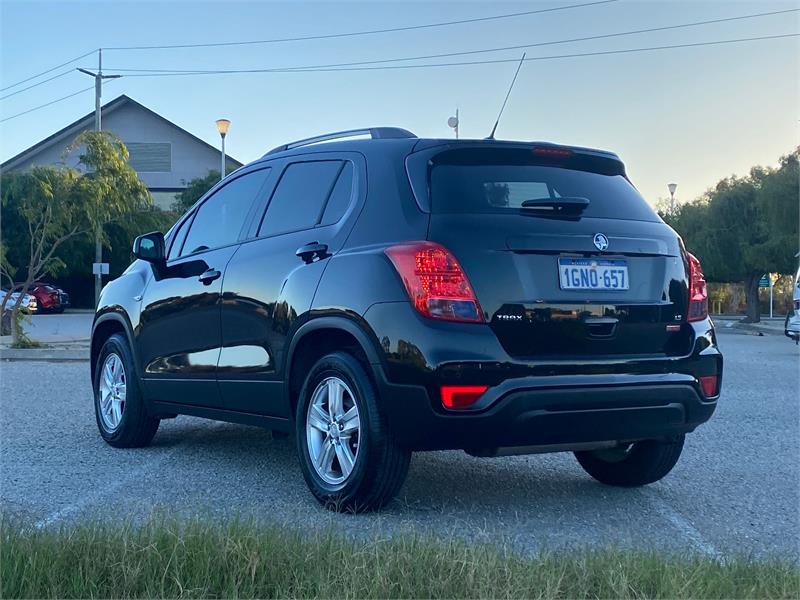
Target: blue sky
689, 115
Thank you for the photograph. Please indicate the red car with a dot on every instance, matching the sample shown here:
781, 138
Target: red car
48, 297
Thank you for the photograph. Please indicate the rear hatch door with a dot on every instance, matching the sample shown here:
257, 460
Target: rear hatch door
565, 257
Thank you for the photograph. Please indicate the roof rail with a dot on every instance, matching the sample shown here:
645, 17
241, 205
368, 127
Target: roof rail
374, 132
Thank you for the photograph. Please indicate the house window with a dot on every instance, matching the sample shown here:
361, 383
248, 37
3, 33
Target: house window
150, 157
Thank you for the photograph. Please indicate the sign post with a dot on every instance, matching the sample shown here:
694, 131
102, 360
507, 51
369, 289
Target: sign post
766, 282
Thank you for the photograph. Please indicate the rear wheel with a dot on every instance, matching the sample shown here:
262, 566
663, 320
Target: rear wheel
121, 415
348, 457
632, 465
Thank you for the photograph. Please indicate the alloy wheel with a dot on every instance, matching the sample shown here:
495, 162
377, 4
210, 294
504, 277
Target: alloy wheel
333, 429
112, 392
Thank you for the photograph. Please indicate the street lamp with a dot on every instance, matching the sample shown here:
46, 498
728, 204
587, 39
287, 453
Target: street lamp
222, 127
671, 187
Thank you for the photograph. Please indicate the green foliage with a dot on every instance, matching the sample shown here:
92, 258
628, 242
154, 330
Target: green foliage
194, 191
745, 226
40, 213
198, 559
110, 190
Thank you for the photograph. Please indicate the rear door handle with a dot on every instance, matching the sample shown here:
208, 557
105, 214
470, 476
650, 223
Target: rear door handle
312, 250
209, 276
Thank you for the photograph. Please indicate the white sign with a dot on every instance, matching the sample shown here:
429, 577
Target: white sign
100, 268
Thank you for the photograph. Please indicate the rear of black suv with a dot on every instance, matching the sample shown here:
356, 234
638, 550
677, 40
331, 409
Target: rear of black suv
551, 309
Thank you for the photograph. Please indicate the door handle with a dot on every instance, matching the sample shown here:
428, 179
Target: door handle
312, 250
209, 276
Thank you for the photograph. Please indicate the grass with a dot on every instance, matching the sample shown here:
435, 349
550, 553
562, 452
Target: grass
200, 560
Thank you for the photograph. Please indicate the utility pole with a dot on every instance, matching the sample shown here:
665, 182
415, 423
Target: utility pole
98, 92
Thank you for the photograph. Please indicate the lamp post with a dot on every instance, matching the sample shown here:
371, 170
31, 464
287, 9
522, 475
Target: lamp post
222, 127
672, 187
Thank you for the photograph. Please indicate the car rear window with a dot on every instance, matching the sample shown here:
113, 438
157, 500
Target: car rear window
482, 181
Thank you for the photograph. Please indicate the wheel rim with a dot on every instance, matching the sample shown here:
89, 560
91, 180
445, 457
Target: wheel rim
112, 392
333, 429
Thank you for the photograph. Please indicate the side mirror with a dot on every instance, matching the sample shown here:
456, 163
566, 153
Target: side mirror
150, 247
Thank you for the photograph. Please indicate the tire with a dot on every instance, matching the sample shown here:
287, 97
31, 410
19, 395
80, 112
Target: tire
638, 464
379, 466
131, 426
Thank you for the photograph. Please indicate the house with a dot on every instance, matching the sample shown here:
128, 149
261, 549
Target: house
165, 156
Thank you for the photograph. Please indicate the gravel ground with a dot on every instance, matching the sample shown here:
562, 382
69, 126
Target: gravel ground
736, 489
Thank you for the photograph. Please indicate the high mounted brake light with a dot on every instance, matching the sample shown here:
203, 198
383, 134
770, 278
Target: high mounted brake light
547, 151
435, 282
698, 292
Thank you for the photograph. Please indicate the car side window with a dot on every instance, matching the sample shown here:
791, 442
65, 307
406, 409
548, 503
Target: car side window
301, 194
219, 220
340, 196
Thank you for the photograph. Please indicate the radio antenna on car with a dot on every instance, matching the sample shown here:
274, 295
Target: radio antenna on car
511, 87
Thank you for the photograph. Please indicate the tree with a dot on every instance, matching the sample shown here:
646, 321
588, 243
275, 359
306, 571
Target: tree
42, 198
195, 190
47, 209
110, 191
745, 227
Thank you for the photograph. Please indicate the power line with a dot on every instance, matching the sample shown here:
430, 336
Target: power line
25, 89
367, 32
456, 64
463, 63
488, 50
25, 112
77, 58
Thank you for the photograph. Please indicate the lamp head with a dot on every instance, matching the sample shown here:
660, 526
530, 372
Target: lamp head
222, 126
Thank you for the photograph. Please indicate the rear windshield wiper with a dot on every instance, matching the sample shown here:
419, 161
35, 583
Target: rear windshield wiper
565, 205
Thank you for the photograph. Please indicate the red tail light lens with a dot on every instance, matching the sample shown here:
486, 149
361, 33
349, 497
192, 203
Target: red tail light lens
436, 284
698, 293
710, 385
461, 396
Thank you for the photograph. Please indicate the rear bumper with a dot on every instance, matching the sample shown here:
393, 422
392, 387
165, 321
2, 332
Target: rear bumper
542, 415
533, 403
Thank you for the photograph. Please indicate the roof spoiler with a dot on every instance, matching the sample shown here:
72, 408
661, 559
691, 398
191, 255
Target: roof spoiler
374, 133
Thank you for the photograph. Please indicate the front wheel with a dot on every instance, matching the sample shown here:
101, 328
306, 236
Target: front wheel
632, 465
121, 414
348, 457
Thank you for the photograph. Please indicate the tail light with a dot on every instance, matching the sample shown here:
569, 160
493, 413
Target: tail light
435, 282
461, 396
710, 385
698, 292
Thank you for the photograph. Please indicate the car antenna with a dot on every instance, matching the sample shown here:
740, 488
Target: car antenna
511, 87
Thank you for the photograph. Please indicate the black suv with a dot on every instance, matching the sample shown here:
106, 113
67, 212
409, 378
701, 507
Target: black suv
384, 295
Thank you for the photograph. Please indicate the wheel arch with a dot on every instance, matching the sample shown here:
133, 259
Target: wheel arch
318, 337
106, 325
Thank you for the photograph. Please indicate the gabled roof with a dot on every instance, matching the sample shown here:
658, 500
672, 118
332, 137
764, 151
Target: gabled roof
88, 121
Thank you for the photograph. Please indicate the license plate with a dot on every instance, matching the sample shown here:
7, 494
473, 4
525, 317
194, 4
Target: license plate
592, 274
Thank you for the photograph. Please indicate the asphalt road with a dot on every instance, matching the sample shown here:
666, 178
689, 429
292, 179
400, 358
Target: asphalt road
736, 489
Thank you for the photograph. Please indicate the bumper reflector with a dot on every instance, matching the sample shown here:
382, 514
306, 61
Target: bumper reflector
461, 396
709, 385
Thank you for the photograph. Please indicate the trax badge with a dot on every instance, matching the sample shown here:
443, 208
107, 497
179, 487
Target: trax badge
600, 241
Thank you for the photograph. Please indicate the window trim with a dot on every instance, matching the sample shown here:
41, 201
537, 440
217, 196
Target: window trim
211, 194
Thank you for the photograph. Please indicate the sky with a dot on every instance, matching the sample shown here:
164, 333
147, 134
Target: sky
689, 115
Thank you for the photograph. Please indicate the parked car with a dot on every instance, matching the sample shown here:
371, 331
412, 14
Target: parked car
791, 327
29, 304
393, 294
49, 297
